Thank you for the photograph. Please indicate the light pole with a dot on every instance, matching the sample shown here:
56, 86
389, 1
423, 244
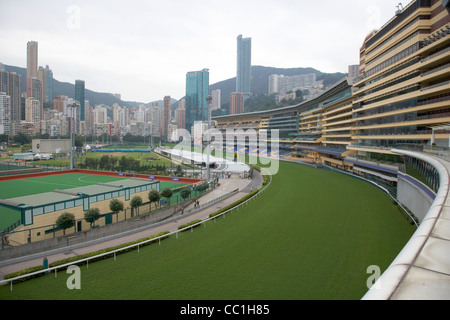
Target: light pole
72, 127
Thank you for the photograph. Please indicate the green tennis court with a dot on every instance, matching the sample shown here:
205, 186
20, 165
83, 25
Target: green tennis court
12, 189
24, 187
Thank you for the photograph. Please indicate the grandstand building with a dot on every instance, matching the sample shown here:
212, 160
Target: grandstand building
401, 99
300, 126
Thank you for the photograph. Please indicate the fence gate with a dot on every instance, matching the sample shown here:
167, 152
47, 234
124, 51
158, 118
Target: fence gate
108, 218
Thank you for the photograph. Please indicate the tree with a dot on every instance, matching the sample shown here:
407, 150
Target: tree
153, 196
21, 139
179, 172
104, 162
123, 163
91, 163
65, 221
185, 192
113, 161
167, 193
79, 142
202, 186
92, 215
115, 206
136, 201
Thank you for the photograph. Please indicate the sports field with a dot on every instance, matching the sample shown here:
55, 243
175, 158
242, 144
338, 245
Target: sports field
311, 235
23, 187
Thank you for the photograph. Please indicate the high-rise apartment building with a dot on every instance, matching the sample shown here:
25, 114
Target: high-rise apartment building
155, 113
274, 86
166, 117
32, 59
244, 65
353, 71
180, 114
100, 115
5, 113
216, 98
34, 85
60, 103
48, 84
80, 97
33, 113
236, 103
42, 76
11, 85
73, 112
282, 84
197, 86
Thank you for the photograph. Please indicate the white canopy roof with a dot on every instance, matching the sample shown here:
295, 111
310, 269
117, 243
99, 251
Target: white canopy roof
223, 165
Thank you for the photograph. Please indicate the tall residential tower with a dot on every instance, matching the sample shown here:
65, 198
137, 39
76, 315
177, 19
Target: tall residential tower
244, 65
197, 85
79, 96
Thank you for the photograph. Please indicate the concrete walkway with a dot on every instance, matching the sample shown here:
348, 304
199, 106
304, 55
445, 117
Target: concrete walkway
226, 185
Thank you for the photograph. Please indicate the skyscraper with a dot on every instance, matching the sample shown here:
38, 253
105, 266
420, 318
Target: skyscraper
181, 114
11, 84
166, 117
244, 65
236, 103
34, 85
197, 85
32, 59
79, 96
48, 84
33, 113
5, 113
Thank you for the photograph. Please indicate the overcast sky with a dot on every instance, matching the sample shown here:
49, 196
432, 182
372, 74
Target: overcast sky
143, 49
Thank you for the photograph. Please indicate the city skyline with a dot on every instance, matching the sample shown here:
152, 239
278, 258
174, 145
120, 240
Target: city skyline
116, 48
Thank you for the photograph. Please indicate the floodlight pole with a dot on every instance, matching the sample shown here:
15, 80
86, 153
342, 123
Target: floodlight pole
71, 142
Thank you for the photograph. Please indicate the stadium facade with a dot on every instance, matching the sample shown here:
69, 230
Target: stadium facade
401, 99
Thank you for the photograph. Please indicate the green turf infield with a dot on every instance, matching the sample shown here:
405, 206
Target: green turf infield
311, 235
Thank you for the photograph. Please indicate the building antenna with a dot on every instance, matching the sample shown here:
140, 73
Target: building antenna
399, 9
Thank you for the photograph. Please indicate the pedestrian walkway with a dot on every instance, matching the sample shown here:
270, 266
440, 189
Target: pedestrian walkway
226, 185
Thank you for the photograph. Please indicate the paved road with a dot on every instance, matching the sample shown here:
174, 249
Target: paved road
226, 185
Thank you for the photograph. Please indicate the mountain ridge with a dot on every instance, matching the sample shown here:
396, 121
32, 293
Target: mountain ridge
259, 85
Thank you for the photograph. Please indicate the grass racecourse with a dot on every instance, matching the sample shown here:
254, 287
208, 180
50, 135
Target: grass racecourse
311, 235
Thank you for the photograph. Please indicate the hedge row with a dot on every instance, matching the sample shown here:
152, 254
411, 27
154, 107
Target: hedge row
234, 204
189, 224
83, 256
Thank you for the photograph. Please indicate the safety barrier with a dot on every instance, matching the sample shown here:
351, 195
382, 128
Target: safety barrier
420, 271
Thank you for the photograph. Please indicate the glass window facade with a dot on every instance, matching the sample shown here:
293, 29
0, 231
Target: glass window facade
244, 65
197, 86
